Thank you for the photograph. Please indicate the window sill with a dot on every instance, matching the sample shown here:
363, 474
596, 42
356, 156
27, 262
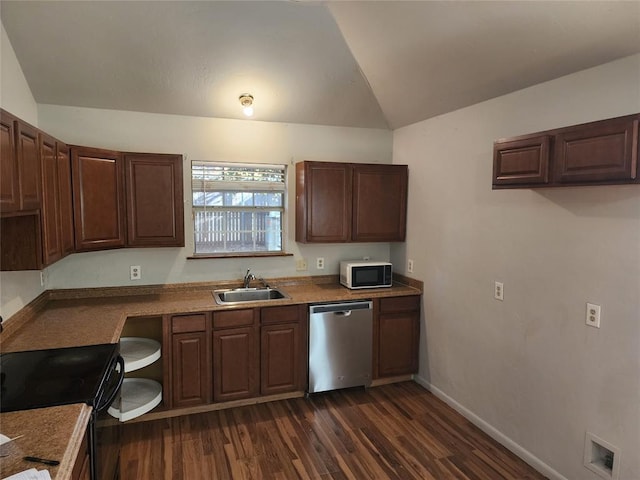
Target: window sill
238, 255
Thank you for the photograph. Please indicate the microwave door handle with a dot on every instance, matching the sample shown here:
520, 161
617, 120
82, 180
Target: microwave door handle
111, 396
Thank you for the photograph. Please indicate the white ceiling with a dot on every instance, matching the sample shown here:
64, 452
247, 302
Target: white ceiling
373, 64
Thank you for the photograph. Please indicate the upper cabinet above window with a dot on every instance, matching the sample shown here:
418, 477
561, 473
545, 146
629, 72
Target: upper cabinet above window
598, 153
350, 202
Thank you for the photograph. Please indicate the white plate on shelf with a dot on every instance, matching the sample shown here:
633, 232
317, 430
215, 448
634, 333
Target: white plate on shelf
138, 352
137, 397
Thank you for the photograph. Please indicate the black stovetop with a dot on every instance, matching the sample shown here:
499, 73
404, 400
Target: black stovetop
45, 378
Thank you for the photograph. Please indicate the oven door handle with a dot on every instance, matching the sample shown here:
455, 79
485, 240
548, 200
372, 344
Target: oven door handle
110, 396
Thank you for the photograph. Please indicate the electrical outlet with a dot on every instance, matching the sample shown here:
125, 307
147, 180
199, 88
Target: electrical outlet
320, 263
498, 291
135, 272
592, 317
301, 265
42, 278
409, 266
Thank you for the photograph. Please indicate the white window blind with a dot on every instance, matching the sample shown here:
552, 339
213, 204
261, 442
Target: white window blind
237, 207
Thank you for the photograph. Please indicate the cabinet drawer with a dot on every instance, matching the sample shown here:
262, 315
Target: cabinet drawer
188, 323
400, 304
233, 318
283, 314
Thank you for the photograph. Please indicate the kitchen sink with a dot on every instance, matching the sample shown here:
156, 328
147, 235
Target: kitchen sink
244, 295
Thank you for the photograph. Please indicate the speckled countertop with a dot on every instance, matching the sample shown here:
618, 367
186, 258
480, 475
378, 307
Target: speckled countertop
93, 316
67, 318
54, 433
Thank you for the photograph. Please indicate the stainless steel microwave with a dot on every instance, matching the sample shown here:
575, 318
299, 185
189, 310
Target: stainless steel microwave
356, 274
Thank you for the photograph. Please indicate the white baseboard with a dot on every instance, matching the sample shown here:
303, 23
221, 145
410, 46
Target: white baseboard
498, 436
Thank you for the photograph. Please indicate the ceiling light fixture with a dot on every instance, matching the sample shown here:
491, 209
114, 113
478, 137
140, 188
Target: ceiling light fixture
246, 100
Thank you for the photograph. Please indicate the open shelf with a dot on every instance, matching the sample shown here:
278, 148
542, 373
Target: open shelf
138, 352
137, 397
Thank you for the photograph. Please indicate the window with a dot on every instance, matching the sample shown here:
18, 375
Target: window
237, 208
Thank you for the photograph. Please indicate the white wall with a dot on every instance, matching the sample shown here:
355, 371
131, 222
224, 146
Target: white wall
15, 94
209, 139
16, 288
529, 367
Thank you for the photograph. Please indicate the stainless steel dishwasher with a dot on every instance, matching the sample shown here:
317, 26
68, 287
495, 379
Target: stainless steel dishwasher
340, 343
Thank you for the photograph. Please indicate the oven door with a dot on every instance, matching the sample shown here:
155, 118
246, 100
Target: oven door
104, 430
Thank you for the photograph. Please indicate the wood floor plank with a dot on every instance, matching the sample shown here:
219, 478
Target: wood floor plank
391, 432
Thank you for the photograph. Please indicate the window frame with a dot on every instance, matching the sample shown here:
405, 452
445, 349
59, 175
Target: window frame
227, 186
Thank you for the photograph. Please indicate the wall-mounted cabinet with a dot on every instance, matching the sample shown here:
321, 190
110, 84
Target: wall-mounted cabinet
57, 208
98, 198
345, 202
154, 200
9, 177
20, 188
597, 153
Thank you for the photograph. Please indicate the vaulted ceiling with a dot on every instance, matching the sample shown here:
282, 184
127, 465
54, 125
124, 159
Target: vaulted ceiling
372, 64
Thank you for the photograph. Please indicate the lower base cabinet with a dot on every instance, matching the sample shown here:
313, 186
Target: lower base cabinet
229, 355
82, 468
283, 347
189, 371
235, 364
396, 336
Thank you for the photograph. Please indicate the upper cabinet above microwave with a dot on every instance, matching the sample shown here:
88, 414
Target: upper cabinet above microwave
350, 202
596, 153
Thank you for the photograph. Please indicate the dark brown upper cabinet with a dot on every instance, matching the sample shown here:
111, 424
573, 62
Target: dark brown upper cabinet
20, 188
9, 180
379, 203
28, 166
597, 153
155, 207
98, 198
65, 200
323, 202
524, 161
346, 202
57, 208
51, 235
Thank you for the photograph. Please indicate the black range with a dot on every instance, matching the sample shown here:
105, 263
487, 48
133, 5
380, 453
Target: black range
91, 374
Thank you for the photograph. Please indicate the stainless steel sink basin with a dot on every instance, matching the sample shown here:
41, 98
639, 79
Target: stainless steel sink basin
244, 295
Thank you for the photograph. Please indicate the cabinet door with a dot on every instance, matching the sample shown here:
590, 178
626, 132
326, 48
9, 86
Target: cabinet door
235, 364
323, 202
9, 182
65, 199
521, 162
379, 203
28, 166
280, 358
98, 199
396, 334
154, 200
50, 217
598, 152
189, 373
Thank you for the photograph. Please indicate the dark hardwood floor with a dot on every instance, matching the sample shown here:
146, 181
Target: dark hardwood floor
398, 431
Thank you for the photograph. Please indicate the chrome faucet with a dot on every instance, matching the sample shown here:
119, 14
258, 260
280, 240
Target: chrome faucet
248, 277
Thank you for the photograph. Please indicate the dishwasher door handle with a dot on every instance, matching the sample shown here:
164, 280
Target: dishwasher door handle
344, 313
